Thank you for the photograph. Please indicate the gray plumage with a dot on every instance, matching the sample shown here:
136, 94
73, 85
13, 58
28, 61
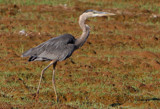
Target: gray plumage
58, 48
61, 47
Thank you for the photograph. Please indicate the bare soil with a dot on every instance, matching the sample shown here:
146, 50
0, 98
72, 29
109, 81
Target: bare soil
120, 60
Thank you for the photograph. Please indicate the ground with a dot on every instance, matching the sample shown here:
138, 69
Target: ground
118, 66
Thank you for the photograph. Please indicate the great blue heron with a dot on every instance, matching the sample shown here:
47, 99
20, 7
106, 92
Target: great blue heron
61, 47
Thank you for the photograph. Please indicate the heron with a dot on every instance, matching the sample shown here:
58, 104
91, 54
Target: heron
61, 47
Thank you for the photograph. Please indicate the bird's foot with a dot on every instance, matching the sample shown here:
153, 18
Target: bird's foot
35, 96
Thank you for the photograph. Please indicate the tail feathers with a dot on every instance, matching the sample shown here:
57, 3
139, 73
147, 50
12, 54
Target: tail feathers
29, 52
32, 58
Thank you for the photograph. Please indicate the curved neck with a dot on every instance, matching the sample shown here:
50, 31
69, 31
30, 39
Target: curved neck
85, 32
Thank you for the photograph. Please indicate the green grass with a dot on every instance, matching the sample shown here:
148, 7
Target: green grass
122, 5
38, 2
152, 7
86, 105
99, 75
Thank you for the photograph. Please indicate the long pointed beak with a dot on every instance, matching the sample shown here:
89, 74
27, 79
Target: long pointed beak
108, 14
104, 14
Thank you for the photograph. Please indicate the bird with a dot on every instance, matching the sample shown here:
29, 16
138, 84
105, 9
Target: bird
61, 47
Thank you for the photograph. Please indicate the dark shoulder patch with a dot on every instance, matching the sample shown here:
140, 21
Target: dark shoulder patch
68, 38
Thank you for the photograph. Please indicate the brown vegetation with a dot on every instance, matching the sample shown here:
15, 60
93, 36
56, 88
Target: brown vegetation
118, 66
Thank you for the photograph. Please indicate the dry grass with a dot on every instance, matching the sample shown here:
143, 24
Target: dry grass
118, 66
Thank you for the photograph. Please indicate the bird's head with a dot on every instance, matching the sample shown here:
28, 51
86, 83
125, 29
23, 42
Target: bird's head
94, 13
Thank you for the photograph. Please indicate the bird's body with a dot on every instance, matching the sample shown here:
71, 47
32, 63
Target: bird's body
58, 48
61, 47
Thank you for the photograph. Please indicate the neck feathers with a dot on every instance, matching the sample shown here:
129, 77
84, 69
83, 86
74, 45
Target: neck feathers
86, 30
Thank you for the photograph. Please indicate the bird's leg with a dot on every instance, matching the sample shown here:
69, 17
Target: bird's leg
42, 75
53, 81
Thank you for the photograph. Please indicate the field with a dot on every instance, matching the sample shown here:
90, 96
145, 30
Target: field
118, 66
